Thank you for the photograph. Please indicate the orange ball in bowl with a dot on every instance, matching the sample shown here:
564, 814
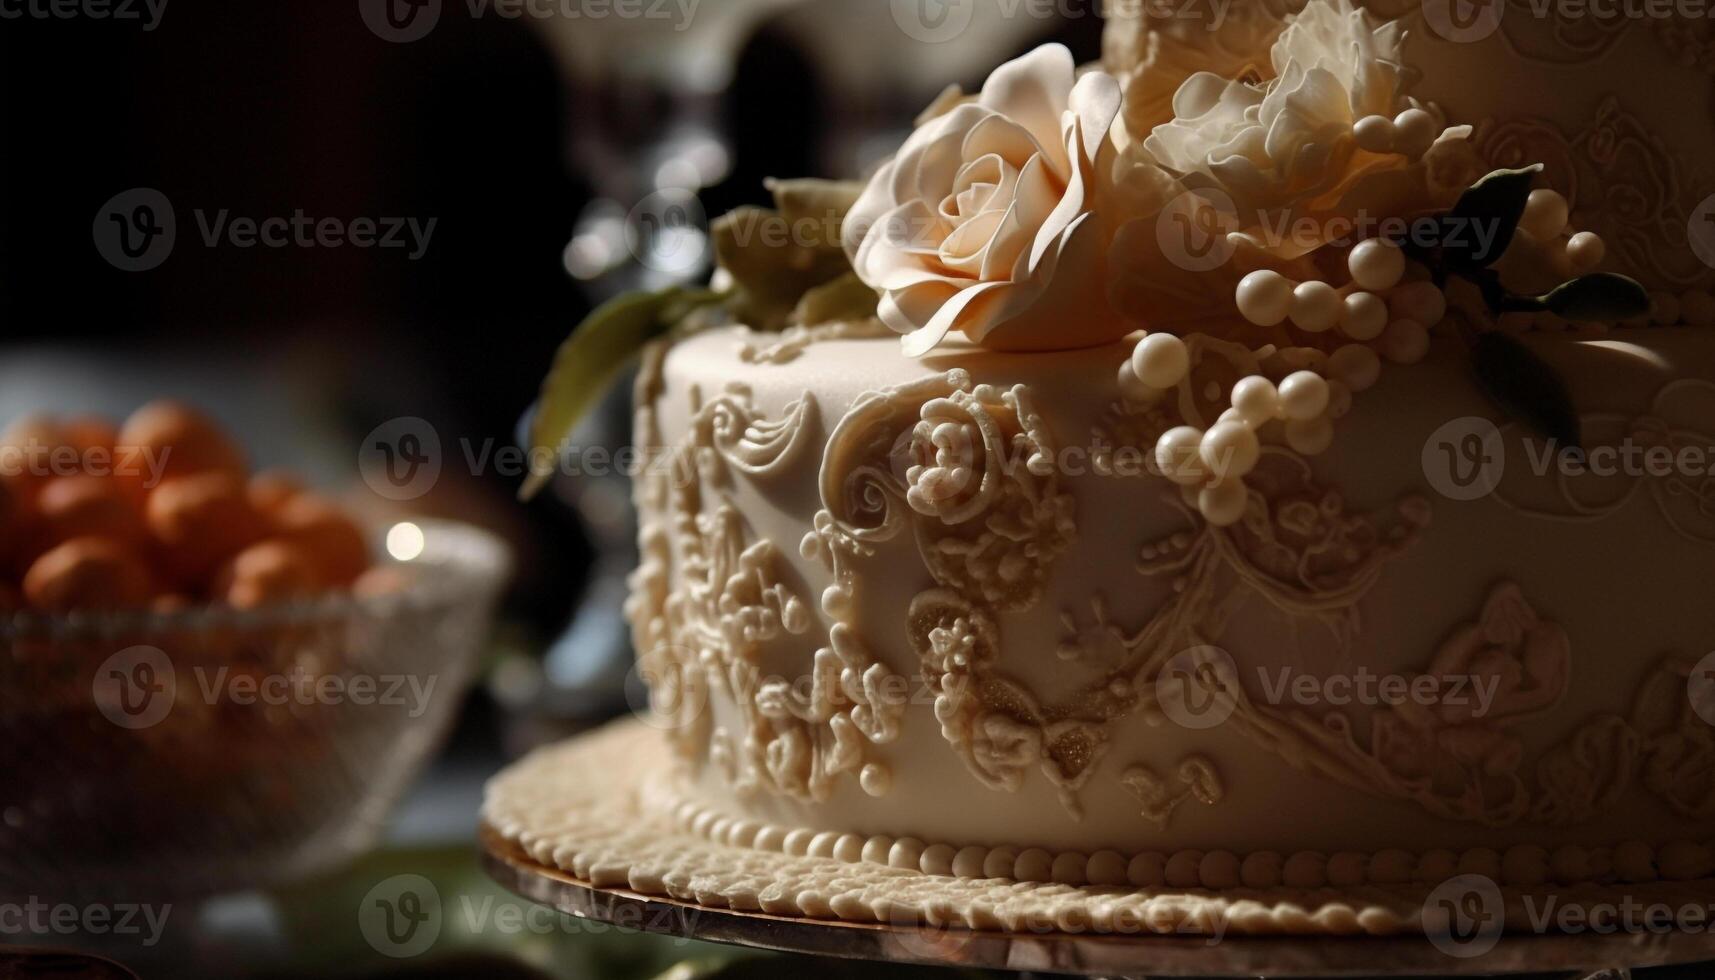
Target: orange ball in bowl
198, 522
29, 448
180, 440
88, 574
267, 573
333, 540
270, 492
89, 432
85, 507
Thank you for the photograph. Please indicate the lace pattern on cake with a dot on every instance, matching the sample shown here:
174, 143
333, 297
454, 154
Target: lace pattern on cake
1678, 422
707, 635
1623, 182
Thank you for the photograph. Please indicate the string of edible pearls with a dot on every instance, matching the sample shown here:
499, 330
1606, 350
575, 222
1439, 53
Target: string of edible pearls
1212, 465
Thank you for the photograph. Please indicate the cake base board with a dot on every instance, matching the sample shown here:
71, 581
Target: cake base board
565, 828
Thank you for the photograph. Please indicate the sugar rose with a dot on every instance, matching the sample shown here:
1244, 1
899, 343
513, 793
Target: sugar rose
985, 224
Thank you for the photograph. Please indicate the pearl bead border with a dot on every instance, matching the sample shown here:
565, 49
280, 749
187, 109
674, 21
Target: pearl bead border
1525, 865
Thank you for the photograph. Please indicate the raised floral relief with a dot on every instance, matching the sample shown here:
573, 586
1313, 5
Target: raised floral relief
707, 599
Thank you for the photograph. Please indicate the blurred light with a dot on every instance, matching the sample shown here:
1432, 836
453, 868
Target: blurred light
405, 541
587, 256
678, 173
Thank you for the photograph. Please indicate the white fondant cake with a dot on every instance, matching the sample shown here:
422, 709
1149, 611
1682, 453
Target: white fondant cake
1259, 497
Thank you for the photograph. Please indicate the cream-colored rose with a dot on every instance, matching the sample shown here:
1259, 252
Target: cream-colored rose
984, 224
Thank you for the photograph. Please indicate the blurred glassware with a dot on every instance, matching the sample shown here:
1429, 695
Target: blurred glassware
170, 756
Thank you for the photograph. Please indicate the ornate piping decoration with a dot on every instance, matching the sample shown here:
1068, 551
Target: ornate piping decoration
732, 600
970, 467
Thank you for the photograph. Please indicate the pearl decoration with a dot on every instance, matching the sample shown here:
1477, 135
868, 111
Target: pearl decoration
1304, 396
1230, 451
1161, 360
1256, 400
1414, 132
1406, 342
1377, 265
1179, 455
1132, 388
1375, 134
1310, 438
1356, 366
1223, 504
1316, 307
1420, 301
1265, 297
1545, 214
1365, 316
1586, 250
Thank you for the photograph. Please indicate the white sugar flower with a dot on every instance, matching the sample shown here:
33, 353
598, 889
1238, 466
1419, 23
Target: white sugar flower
984, 223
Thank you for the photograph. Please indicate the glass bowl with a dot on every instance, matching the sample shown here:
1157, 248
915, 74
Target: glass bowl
148, 756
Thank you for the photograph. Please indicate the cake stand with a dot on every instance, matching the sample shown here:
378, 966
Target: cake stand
540, 813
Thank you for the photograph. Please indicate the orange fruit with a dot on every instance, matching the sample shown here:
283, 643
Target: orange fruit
88, 573
28, 454
181, 440
84, 507
198, 522
270, 492
87, 432
266, 573
333, 540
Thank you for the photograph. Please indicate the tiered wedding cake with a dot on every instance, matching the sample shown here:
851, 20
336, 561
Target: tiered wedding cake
1275, 488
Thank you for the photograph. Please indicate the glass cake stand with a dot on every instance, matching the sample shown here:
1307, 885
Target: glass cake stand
1586, 957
